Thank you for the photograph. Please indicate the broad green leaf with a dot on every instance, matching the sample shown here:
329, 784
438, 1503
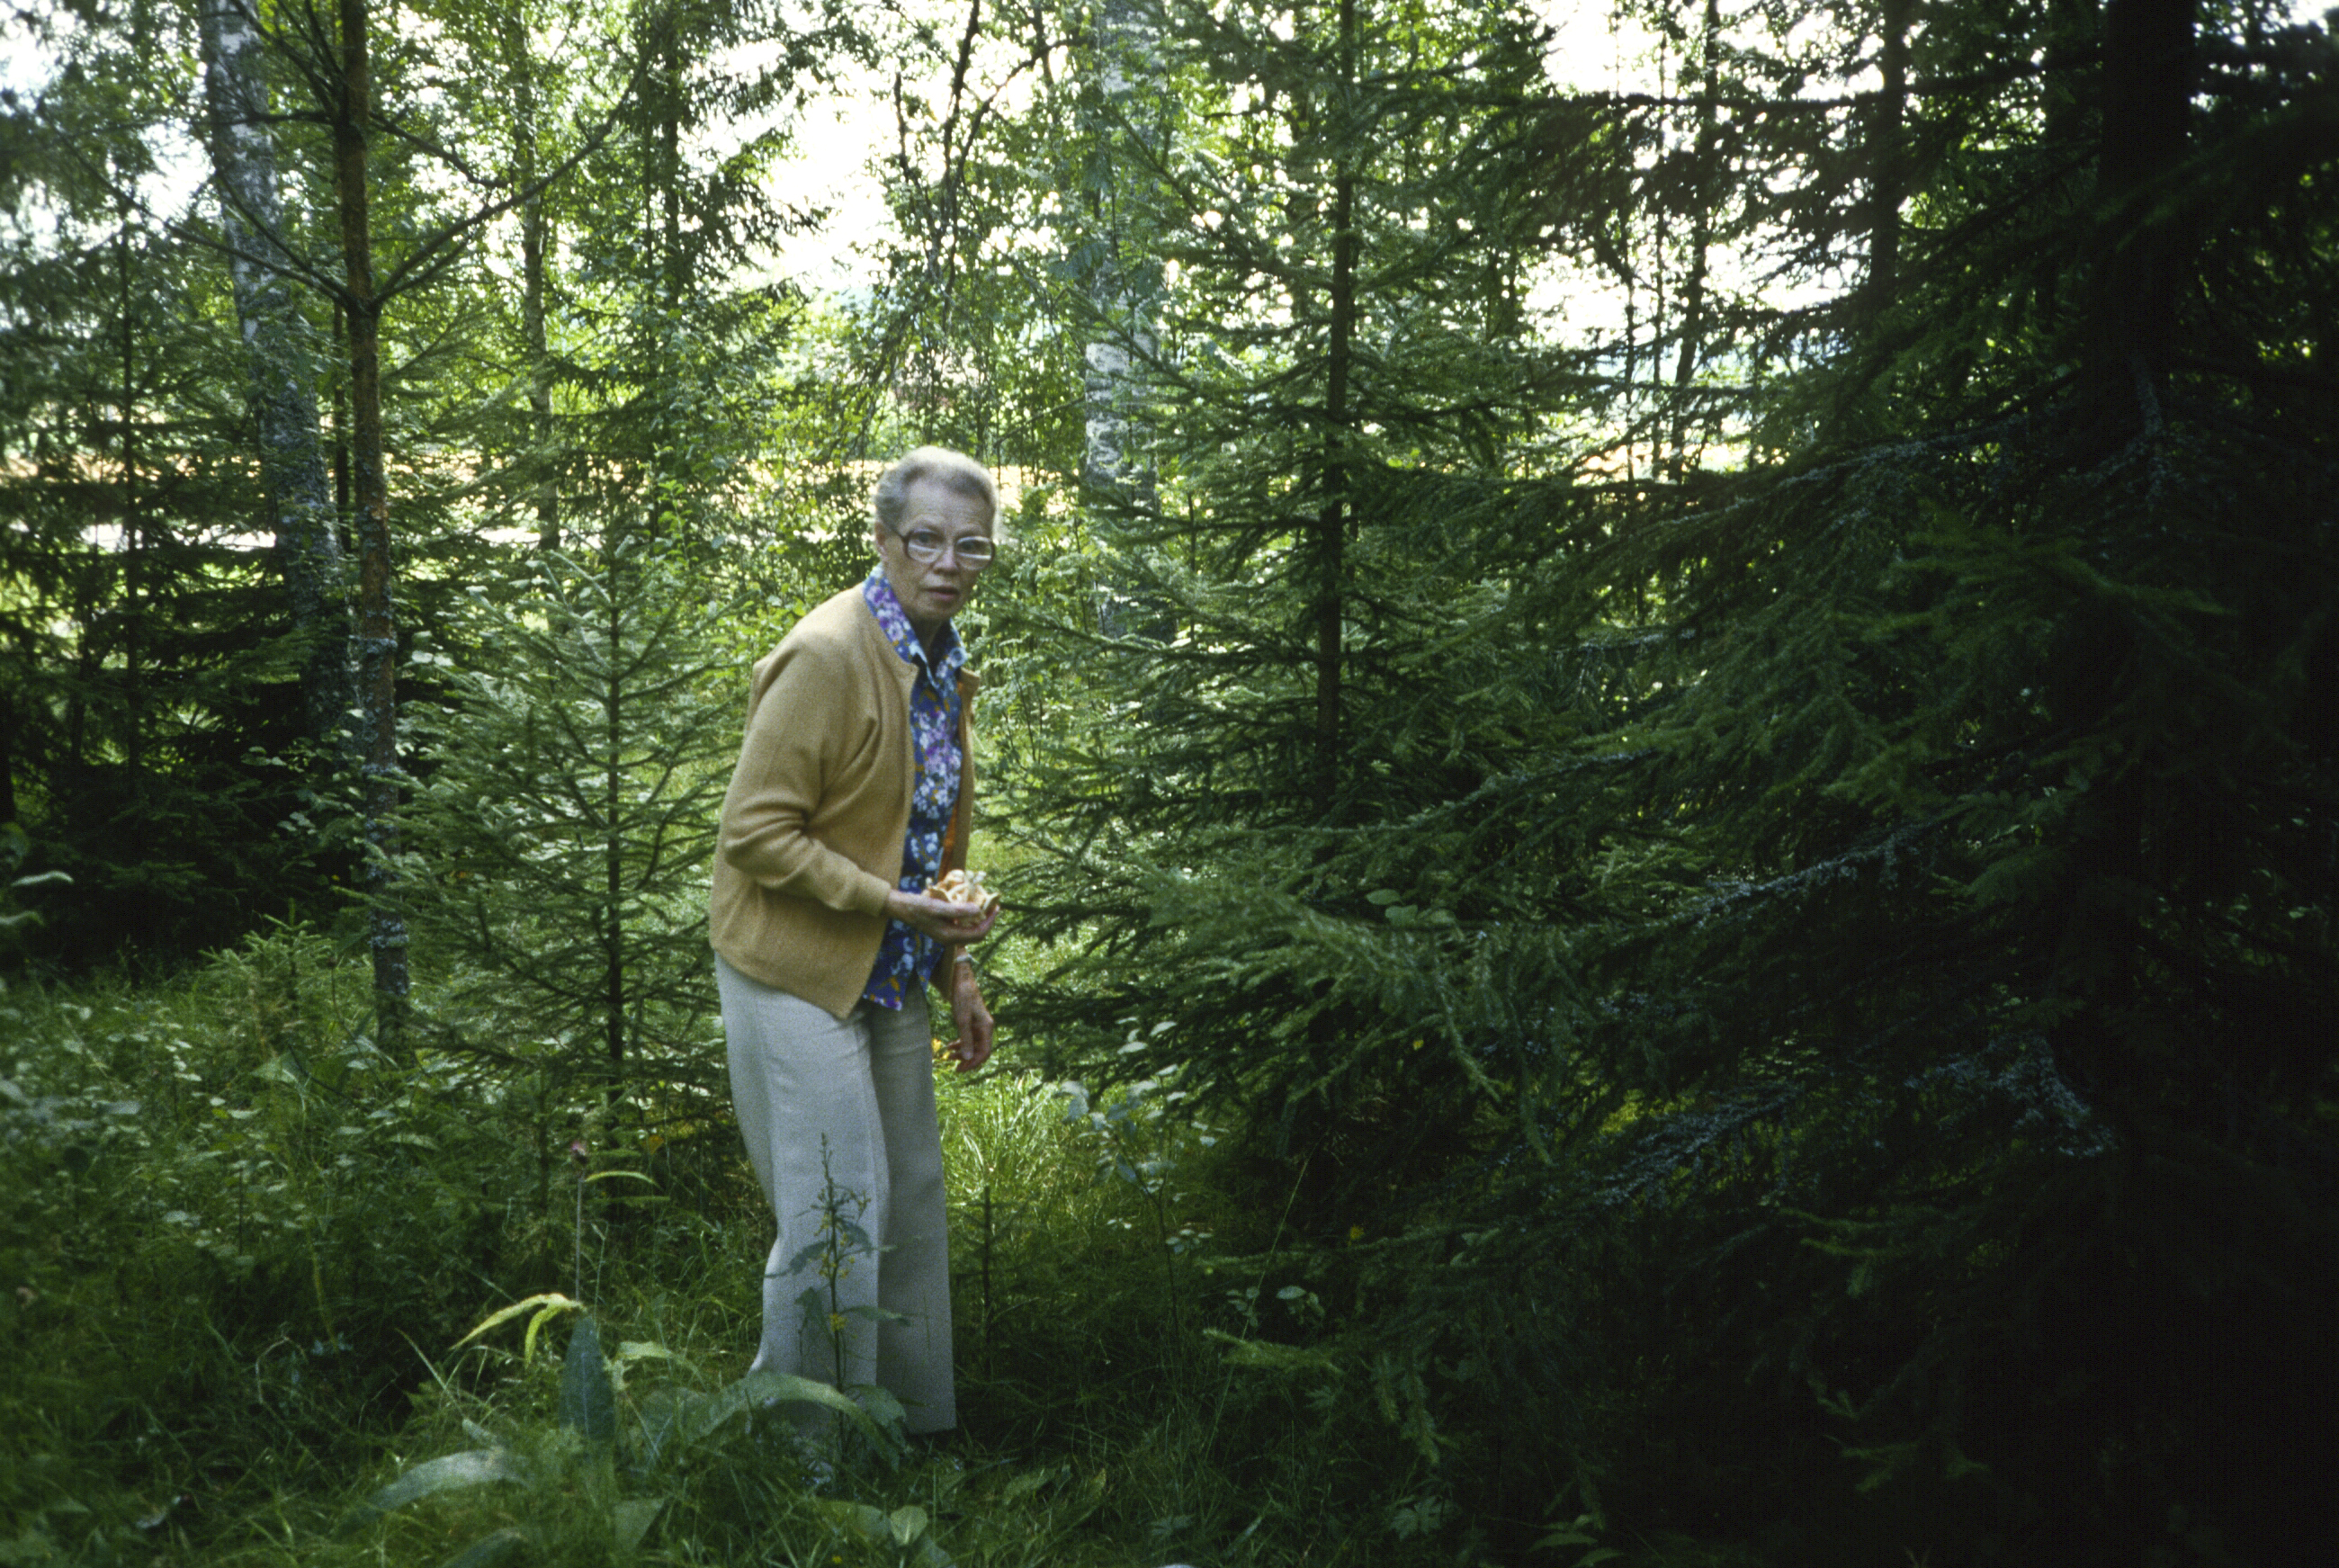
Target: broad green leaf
473, 1467
876, 1526
631, 1520
551, 1301
489, 1550
589, 1402
1269, 1356
762, 1388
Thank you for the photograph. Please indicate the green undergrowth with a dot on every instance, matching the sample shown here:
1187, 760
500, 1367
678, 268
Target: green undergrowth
246, 1261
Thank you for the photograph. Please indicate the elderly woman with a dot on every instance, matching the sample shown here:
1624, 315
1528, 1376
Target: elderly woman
853, 794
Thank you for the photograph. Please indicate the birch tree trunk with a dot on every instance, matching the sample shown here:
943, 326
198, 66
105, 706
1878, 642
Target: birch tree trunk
369, 485
1121, 290
282, 366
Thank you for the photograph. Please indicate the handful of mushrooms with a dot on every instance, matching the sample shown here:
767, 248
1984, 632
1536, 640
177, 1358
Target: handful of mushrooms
962, 887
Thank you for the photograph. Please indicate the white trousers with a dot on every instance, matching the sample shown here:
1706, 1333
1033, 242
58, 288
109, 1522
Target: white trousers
839, 1119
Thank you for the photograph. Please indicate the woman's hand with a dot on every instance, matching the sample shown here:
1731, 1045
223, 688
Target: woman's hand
972, 1018
955, 924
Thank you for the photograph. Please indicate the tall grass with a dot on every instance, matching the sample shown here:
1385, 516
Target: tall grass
242, 1250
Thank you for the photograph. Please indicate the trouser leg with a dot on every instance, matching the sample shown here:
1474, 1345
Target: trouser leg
807, 1109
913, 1348
839, 1123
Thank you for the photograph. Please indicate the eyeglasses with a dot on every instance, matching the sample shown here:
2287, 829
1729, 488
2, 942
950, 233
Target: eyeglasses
926, 547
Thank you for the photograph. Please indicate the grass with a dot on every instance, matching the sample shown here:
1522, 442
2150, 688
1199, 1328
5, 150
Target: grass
240, 1247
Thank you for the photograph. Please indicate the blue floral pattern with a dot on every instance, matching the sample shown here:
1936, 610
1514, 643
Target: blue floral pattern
905, 956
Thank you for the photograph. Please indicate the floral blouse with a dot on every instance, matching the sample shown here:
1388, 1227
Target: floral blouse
904, 957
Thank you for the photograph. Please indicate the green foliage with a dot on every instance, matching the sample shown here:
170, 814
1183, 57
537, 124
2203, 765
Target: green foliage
560, 835
1729, 821
221, 1349
1752, 948
143, 666
588, 1401
224, 1214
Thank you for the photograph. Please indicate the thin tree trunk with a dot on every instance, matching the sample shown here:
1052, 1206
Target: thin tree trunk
1887, 159
2147, 82
134, 527
613, 697
662, 154
377, 620
1332, 517
534, 240
1706, 190
672, 271
1121, 300
283, 402
7, 760
340, 391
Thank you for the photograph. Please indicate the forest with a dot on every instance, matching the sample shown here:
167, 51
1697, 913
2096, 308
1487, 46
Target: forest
1660, 728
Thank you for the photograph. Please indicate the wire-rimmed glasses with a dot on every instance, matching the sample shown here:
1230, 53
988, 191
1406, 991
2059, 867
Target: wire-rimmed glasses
926, 546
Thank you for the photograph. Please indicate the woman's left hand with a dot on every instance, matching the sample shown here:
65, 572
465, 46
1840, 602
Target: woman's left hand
972, 1018
957, 925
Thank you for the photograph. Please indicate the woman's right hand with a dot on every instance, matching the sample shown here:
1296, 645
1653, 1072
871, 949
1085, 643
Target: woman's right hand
958, 924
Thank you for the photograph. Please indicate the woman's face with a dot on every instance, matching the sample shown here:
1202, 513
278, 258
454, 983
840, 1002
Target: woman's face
931, 592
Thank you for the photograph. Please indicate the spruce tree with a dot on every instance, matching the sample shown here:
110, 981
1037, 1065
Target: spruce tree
566, 815
1344, 392
1941, 928
1803, 928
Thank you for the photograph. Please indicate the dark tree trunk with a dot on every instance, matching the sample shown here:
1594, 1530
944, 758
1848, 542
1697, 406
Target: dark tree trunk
2147, 73
1705, 189
1332, 518
1888, 176
341, 422
2131, 307
534, 231
662, 222
535, 241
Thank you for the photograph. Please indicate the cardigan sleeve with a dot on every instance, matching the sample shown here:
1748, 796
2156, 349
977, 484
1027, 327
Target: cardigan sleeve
799, 733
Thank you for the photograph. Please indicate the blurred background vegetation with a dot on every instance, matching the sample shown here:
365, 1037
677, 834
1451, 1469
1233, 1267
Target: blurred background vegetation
1659, 729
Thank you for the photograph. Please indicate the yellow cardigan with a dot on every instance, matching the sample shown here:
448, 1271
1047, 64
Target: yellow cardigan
818, 807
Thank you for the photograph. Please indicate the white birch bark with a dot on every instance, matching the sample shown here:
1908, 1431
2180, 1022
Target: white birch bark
1121, 287
282, 364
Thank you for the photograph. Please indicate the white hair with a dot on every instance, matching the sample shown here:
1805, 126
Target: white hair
953, 471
